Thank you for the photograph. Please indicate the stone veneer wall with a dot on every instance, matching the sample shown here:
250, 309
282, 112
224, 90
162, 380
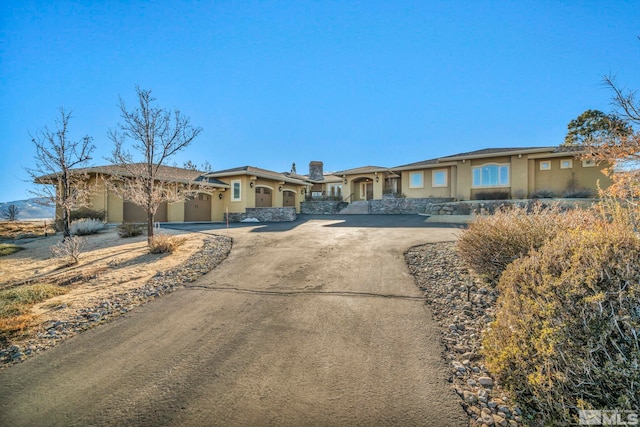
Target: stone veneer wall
265, 214
488, 207
393, 206
323, 207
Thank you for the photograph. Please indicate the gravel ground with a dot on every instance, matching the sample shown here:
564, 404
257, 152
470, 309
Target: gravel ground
214, 250
463, 306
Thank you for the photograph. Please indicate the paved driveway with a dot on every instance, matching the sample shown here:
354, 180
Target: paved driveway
316, 322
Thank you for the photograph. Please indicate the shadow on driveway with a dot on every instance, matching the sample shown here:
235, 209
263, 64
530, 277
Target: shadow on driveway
361, 221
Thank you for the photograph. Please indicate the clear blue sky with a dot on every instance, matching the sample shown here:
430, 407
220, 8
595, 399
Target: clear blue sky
351, 83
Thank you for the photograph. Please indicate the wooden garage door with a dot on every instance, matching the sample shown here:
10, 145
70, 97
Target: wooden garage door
198, 208
134, 213
288, 198
263, 197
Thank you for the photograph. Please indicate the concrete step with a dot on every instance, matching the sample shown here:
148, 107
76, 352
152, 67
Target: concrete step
356, 208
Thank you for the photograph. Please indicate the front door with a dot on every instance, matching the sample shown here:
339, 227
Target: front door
263, 197
369, 190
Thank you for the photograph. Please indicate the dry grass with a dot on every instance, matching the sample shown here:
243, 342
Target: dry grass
9, 249
16, 304
163, 243
10, 230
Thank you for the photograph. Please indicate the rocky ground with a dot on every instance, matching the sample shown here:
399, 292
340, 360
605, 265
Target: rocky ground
94, 312
463, 306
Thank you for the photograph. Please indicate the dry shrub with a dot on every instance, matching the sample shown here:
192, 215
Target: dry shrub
86, 226
493, 242
68, 249
130, 230
163, 243
16, 302
567, 324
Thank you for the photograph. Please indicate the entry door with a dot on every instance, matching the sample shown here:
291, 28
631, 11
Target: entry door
263, 197
369, 190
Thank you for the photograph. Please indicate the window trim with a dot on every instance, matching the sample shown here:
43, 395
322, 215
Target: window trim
433, 178
569, 166
421, 174
498, 165
233, 195
545, 165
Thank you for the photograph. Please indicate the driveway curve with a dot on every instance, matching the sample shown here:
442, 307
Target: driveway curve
317, 322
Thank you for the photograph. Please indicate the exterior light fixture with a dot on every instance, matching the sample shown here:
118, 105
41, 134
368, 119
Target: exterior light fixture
377, 178
251, 184
302, 191
280, 188
345, 180
220, 196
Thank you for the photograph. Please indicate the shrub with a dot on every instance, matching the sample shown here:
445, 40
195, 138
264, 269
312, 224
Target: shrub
86, 213
493, 242
86, 226
578, 194
491, 195
543, 194
163, 243
566, 331
130, 230
68, 249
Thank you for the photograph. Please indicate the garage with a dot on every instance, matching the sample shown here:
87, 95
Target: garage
136, 214
198, 208
263, 197
288, 198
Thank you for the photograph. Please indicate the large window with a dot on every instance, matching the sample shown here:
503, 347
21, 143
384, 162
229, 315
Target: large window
491, 176
439, 178
236, 190
416, 180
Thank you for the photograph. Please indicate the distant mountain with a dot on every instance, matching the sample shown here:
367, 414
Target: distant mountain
30, 209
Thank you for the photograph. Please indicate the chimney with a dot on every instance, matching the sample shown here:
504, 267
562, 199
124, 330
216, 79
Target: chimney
316, 172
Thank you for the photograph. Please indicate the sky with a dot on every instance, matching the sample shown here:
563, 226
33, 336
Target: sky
349, 83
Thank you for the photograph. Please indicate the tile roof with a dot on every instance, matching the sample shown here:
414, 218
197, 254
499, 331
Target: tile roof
363, 169
252, 170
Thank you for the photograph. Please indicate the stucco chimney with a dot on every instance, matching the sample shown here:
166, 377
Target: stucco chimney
316, 172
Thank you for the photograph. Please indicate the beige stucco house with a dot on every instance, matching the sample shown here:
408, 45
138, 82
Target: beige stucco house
252, 187
522, 172
513, 172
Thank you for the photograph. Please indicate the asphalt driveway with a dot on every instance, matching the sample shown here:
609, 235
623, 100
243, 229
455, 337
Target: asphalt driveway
316, 322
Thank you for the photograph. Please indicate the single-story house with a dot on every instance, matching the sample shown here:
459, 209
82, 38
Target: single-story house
521, 172
514, 172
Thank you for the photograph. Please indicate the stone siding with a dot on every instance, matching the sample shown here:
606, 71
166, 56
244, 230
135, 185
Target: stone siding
264, 214
489, 207
324, 207
393, 206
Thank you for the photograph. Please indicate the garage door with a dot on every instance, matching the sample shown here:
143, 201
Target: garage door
263, 197
288, 198
134, 213
198, 208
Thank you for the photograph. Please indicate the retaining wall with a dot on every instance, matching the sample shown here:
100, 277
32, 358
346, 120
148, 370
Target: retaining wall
264, 214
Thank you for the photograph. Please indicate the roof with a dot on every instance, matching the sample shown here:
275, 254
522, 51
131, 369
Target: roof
326, 178
363, 169
165, 173
492, 152
254, 171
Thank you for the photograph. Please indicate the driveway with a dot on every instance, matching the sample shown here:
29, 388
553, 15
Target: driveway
316, 322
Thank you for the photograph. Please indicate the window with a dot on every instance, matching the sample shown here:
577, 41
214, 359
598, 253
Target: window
416, 180
545, 166
566, 164
236, 193
491, 176
588, 163
335, 190
439, 178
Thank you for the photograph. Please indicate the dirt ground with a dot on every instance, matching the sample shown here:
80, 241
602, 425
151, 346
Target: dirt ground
318, 322
108, 265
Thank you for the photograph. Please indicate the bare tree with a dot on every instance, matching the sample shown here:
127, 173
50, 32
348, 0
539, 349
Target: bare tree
155, 134
57, 159
620, 149
10, 212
